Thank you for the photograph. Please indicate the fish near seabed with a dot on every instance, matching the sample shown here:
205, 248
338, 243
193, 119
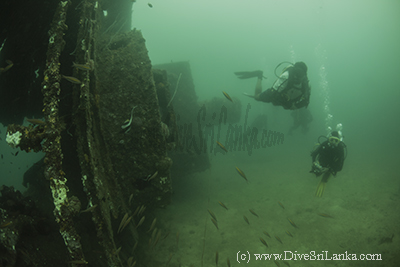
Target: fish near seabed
325, 215
263, 241
292, 223
222, 205
86, 66
279, 240
242, 174
227, 96
222, 146
289, 233
71, 79
215, 223
212, 215
253, 212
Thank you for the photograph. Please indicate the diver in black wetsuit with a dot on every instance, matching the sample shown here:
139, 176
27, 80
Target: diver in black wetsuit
291, 90
327, 159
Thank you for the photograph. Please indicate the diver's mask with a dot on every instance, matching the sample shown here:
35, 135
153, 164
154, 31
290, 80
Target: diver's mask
333, 140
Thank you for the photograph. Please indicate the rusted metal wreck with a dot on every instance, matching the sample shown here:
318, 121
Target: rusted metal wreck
108, 126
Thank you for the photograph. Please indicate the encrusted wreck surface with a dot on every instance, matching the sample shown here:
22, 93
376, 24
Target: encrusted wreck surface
130, 118
106, 166
191, 150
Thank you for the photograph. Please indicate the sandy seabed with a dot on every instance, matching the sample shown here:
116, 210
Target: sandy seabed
363, 200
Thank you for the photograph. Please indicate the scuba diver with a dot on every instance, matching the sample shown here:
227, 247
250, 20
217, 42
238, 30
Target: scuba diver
291, 90
301, 117
328, 158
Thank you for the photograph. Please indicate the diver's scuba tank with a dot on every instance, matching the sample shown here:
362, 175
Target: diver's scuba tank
284, 62
339, 128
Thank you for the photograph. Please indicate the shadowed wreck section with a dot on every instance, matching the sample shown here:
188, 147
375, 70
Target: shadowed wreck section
121, 146
105, 132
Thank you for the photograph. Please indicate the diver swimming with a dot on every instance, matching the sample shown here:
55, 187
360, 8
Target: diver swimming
328, 159
291, 90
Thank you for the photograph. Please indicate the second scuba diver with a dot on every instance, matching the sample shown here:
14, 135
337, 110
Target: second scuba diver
291, 90
327, 159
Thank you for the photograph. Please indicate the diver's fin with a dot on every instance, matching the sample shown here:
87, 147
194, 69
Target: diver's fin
249, 74
246, 94
322, 184
320, 189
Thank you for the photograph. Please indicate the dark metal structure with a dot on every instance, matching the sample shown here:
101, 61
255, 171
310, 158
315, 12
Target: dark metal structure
106, 130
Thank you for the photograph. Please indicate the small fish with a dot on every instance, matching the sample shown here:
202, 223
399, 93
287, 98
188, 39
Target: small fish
1, 156
9, 66
277, 238
126, 223
129, 262
216, 258
140, 222
89, 209
286, 263
212, 215
150, 241
280, 204
246, 220
166, 235
86, 66
228, 262
253, 212
130, 198
152, 225
35, 121
277, 263
227, 96
71, 79
222, 146
386, 240
5, 224
325, 215
141, 210
150, 5
157, 237
242, 174
153, 176
136, 211
153, 235
16, 153
265, 233
289, 234
134, 246
215, 223
122, 222
263, 241
222, 205
292, 223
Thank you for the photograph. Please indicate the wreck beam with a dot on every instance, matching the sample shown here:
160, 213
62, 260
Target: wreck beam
53, 160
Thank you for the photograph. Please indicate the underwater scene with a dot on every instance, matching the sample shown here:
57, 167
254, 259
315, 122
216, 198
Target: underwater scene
173, 133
